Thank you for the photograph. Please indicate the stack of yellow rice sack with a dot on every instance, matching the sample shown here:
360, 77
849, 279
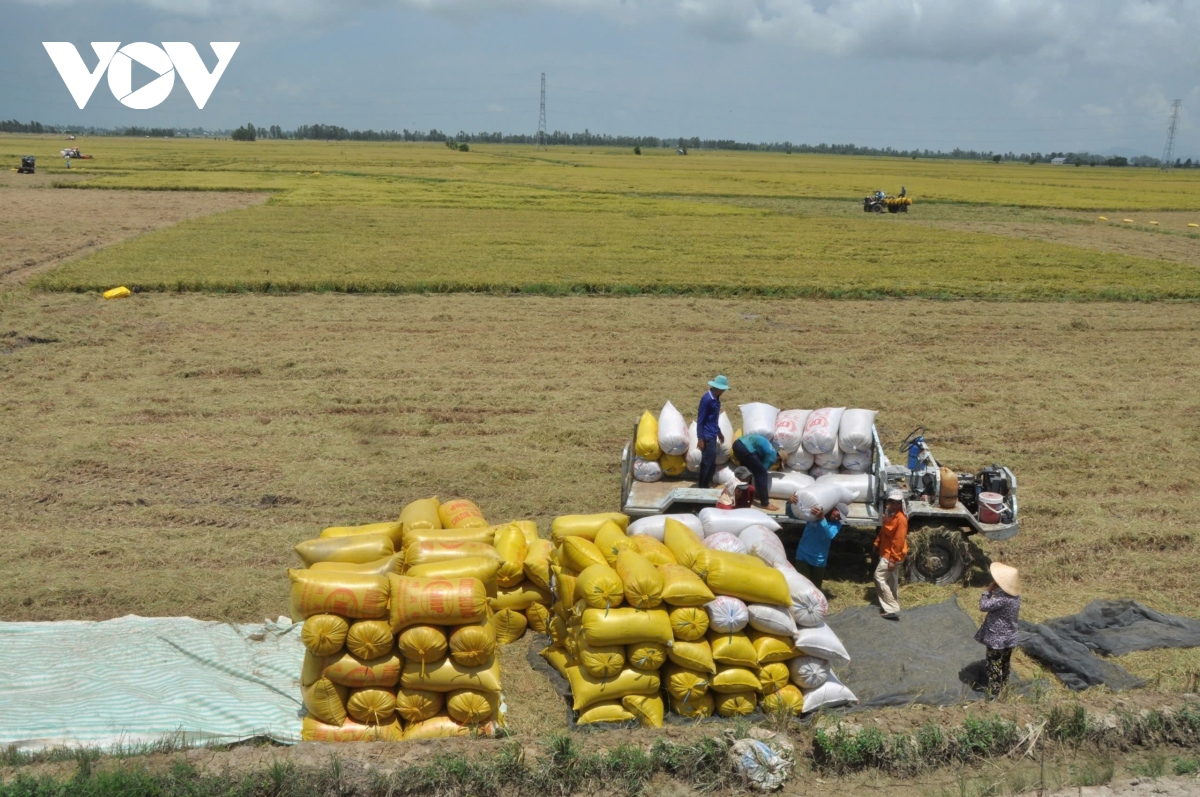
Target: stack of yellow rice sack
637, 617
401, 622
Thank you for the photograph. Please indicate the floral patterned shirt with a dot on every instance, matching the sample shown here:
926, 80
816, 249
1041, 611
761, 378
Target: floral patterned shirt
999, 629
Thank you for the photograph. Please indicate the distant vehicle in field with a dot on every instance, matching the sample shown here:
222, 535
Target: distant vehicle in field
73, 152
879, 202
28, 165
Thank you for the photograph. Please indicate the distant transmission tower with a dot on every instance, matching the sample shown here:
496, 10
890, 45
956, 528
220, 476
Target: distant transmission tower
541, 134
1168, 156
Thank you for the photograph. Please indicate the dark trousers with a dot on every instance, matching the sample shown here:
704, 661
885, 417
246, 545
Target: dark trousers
708, 462
814, 574
997, 669
762, 480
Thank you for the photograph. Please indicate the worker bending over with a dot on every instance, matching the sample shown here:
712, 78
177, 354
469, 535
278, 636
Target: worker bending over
757, 453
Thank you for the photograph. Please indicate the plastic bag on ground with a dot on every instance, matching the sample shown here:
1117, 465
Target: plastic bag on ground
831, 694
799, 462
854, 431
727, 615
672, 430
759, 418
760, 765
808, 672
694, 454
809, 606
785, 484
856, 461
646, 443
771, 619
861, 486
353, 595
355, 548
825, 495
647, 470
763, 543
820, 434
421, 514
715, 520
724, 541
823, 643
789, 428
654, 525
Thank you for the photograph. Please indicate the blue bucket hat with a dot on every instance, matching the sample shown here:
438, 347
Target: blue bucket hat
720, 383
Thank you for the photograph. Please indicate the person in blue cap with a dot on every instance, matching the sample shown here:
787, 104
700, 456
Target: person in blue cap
708, 429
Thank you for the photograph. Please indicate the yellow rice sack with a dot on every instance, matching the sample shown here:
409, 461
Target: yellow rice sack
436, 727
747, 578
773, 676
587, 690
509, 625
313, 667
324, 634
645, 443
600, 661
605, 711
646, 709
689, 623
673, 464
415, 705
472, 707
520, 597
529, 529
429, 552
652, 549
643, 583
558, 659
693, 655
682, 542
447, 675
734, 679
511, 546
358, 549
682, 587
683, 683
436, 601
580, 554
460, 513
771, 648
371, 706
558, 631
485, 536
735, 704
425, 643
474, 644
626, 626
537, 562
348, 594
378, 567
600, 587
349, 670
611, 540
693, 707
584, 526
422, 514
370, 639
566, 585
788, 699
326, 701
392, 528
734, 649
538, 617
482, 568
313, 730
646, 655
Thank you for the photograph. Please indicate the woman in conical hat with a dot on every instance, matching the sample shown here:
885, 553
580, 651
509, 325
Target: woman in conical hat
1002, 603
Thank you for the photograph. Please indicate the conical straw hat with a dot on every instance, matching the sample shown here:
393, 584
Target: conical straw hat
1007, 577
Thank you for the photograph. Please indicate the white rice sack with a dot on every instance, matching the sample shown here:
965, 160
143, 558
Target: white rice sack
655, 525
763, 543
789, 426
672, 431
724, 541
723, 477
808, 672
831, 694
822, 643
727, 615
856, 461
726, 449
809, 606
818, 472
820, 430
694, 453
771, 619
799, 461
862, 485
759, 418
854, 432
823, 494
647, 470
734, 520
831, 460
784, 485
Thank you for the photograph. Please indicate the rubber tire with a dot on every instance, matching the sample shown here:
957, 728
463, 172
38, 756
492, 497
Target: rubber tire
949, 563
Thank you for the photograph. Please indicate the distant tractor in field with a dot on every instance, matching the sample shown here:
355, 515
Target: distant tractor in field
879, 201
28, 165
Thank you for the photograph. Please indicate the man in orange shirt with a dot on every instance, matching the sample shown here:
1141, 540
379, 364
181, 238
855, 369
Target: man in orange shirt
891, 545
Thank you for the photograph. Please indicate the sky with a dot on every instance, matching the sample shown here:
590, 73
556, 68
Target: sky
997, 75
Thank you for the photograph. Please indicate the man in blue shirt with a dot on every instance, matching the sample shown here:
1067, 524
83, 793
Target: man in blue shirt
708, 429
812, 554
758, 454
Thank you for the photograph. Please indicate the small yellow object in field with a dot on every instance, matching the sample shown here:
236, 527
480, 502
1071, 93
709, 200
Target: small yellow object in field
1193, 224
1127, 221
1103, 218
1154, 223
117, 293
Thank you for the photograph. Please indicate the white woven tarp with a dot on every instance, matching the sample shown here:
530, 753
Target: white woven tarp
139, 679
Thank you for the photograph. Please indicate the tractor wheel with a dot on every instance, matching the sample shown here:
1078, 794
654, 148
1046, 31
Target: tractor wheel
937, 555
877, 208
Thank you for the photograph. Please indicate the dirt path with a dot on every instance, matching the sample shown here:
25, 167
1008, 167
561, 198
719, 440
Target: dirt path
41, 226
1185, 786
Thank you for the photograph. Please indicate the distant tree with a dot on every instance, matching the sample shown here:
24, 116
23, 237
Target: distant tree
464, 147
997, 158
1117, 161
638, 151
246, 133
